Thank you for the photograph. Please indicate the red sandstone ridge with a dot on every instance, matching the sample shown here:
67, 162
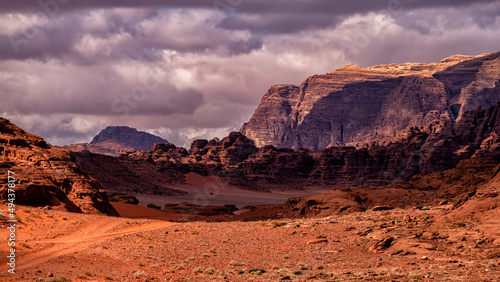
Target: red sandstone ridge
436, 146
114, 140
46, 175
353, 105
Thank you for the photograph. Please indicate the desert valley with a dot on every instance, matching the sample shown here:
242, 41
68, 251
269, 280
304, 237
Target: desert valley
385, 173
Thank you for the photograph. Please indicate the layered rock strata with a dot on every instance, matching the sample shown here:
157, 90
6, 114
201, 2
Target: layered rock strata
353, 106
46, 175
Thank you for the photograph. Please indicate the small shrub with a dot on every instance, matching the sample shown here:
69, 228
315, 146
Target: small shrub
59, 279
257, 271
210, 270
25, 245
414, 276
298, 272
198, 270
169, 271
278, 224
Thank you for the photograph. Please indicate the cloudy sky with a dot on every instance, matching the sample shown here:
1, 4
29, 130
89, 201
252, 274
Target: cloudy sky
198, 69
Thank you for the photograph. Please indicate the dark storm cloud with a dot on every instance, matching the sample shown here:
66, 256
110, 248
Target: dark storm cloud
143, 37
336, 7
197, 69
57, 32
278, 24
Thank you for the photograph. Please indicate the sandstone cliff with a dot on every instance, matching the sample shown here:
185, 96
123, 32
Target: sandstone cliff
354, 106
47, 175
156, 171
436, 146
114, 140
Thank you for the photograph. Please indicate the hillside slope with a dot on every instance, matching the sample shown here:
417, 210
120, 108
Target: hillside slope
46, 175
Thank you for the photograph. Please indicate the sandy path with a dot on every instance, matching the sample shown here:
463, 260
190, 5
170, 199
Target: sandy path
92, 233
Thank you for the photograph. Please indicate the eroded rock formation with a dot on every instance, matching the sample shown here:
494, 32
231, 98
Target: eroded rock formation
436, 146
46, 175
353, 106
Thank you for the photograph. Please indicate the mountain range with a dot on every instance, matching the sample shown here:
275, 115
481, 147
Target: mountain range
421, 136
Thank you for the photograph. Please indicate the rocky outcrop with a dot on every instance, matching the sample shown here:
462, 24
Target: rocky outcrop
121, 198
156, 171
133, 173
114, 140
436, 146
108, 147
453, 186
353, 106
47, 175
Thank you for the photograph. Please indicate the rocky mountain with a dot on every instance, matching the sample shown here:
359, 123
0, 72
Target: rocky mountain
114, 140
436, 146
156, 171
46, 175
353, 106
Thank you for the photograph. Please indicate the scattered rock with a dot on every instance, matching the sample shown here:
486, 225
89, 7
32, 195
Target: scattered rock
382, 208
382, 244
317, 241
153, 206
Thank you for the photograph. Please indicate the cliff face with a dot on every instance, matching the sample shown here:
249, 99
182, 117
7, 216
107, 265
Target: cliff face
46, 175
157, 170
436, 146
353, 106
114, 140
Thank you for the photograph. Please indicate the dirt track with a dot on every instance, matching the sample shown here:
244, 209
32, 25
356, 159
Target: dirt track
54, 244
